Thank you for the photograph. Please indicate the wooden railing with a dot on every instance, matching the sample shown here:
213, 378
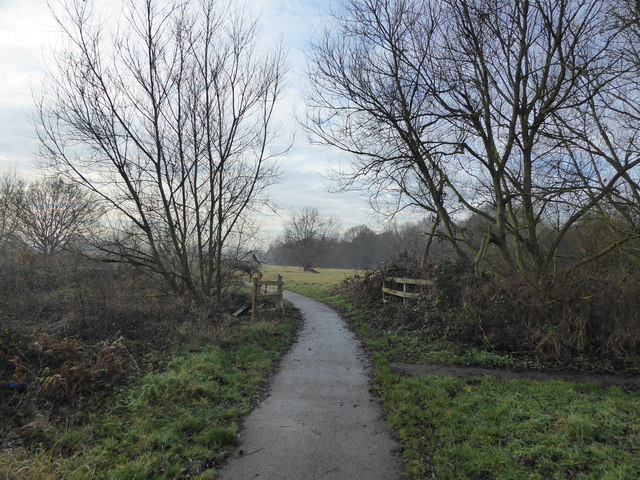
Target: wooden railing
258, 298
405, 293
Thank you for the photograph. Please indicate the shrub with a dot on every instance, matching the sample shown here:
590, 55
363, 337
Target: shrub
583, 315
72, 328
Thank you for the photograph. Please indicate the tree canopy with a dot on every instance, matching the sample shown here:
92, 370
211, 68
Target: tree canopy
520, 112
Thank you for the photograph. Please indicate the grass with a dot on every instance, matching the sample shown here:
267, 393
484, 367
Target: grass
177, 423
488, 428
315, 285
492, 428
402, 344
506, 429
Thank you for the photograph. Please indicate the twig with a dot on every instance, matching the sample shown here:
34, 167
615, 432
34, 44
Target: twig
250, 453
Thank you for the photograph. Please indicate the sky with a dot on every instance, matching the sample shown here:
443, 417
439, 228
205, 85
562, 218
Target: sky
27, 32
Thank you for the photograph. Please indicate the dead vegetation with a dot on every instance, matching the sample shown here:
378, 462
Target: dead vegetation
72, 329
583, 318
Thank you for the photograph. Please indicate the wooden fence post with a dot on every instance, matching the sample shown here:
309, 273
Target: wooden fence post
255, 289
280, 285
257, 295
384, 285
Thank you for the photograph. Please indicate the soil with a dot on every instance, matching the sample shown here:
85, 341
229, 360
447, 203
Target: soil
421, 370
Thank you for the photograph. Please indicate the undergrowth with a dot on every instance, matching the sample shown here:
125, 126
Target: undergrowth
576, 321
175, 423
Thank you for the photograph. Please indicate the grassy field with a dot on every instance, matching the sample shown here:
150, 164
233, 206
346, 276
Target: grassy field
488, 428
314, 285
175, 423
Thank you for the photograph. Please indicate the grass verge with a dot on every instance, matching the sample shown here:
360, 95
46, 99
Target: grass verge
176, 423
511, 429
488, 428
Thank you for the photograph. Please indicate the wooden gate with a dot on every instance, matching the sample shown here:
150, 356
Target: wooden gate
258, 297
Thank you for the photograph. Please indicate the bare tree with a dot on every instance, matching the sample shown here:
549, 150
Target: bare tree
453, 107
307, 236
361, 247
11, 194
164, 110
605, 131
368, 99
54, 214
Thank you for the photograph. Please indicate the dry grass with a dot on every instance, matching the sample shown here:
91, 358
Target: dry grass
327, 278
73, 329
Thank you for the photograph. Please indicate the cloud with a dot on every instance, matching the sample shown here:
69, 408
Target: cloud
26, 29
28, 32
305, 169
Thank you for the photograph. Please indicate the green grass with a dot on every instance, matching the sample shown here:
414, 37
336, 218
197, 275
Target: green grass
400, 344
488, 428
178, 423
506, 429
491, 428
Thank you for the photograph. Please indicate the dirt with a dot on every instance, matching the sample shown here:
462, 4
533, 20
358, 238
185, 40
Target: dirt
421, 370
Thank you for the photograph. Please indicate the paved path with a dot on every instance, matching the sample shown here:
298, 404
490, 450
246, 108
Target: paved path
319, 420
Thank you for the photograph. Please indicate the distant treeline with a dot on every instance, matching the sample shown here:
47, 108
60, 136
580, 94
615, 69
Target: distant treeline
361, 247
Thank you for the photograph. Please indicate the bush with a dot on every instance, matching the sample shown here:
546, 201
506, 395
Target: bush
581, 317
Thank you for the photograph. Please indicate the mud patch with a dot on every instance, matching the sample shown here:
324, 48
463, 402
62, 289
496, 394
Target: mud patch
423, 370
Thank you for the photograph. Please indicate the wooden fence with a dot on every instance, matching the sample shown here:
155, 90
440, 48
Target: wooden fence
258, 298
407, 293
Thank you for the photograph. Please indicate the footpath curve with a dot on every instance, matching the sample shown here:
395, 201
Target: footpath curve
319, 420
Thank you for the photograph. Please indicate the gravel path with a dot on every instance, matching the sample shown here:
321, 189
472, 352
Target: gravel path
319, 420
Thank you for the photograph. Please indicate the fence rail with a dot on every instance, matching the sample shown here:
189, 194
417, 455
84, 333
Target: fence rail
405, 293
257, 307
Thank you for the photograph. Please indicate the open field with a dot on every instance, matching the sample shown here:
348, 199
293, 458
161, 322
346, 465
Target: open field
315, 285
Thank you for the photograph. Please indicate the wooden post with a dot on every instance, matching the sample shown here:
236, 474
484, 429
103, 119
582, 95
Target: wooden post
255, 289
281, 305
404, 299
384, 285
